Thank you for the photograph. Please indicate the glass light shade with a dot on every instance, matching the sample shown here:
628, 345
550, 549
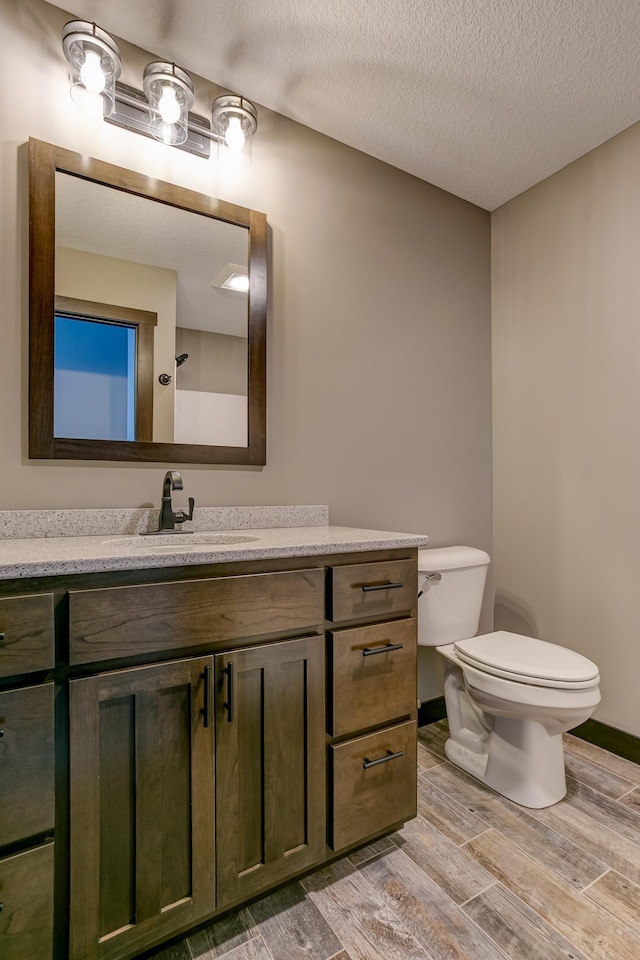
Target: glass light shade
169, 91
234, 121
94, 66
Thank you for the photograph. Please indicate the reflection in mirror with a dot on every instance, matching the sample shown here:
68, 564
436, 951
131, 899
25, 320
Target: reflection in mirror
102, 370
147, 317
154, 258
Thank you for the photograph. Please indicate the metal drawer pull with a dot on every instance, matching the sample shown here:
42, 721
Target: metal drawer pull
369, 587
229, 704
206, 711
390, 756
1, 637
371, 652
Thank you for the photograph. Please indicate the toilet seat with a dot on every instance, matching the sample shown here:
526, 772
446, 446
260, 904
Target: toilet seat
527, 660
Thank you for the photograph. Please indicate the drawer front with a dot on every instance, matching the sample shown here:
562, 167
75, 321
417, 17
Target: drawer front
149, 618
368, 796
373, 589
373, 675
26, 762
26, 895
26, 634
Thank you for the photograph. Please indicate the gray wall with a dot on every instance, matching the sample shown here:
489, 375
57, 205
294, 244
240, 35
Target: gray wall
566, 332
379, 366
217, 362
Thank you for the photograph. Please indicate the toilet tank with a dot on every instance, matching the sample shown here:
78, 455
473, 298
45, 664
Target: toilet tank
449, 607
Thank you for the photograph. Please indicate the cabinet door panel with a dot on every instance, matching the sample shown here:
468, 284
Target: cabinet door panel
270, 770
372, 589
142, 793
26, 634
26, 895
374, 783
373, 671
26, 762
113, 621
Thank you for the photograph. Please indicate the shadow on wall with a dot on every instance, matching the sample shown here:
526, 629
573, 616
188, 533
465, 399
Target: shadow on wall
512, 615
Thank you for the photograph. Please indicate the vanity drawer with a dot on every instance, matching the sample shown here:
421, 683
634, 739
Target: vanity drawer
373, 589
26, 895
373, 675
374, 783
26, 634
149, 618
26, 762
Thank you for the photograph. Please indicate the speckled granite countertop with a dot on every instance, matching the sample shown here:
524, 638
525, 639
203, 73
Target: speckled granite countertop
46, 554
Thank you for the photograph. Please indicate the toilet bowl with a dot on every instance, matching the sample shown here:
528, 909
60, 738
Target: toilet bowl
509, 698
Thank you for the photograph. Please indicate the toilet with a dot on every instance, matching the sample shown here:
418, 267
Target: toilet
509, 698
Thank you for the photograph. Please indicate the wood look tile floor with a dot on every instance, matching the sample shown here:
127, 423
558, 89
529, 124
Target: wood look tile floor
473, 877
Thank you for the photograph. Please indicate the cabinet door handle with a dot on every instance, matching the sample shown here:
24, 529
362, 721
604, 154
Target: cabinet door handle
229, 707
370, 587
206, 711
371, 651
390, 756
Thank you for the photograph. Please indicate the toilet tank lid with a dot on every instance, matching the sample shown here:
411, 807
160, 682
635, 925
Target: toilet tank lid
451, 558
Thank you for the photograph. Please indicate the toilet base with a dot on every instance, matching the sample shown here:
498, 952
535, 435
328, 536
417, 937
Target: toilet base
523, 762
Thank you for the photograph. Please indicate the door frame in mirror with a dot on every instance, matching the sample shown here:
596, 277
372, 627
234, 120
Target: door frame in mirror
45, 160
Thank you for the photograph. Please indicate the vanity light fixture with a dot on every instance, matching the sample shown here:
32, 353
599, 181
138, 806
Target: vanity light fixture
169, 91
95, 64
161, 109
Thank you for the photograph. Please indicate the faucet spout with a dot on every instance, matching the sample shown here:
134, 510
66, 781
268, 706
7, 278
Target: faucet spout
172, 481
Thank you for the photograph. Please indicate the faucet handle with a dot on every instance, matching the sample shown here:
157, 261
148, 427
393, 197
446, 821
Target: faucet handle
180, 516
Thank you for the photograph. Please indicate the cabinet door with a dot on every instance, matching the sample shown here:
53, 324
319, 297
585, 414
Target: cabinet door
142, 806
26, 905
26, 763
270, 767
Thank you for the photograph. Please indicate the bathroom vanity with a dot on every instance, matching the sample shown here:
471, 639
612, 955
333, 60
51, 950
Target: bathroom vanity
184, 727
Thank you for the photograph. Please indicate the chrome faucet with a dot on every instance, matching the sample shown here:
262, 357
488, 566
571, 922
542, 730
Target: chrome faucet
168, 516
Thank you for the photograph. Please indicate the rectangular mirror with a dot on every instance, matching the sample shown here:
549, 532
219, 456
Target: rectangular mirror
147, 318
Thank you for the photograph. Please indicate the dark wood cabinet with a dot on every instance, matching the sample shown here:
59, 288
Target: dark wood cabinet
372, 675
218, 731
374, 783
141, 806
27, 777
372, 589
151, 618
373, 686
26, 634
270, 780
26, 899
26, 763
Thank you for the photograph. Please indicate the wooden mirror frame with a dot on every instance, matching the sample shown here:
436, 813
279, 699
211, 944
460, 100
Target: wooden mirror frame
45, 160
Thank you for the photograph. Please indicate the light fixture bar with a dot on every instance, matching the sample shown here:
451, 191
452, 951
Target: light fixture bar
161, 109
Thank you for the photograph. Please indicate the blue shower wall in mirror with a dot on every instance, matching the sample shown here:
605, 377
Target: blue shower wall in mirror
95, 379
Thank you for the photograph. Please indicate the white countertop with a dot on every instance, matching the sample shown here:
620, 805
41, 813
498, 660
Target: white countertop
42, 556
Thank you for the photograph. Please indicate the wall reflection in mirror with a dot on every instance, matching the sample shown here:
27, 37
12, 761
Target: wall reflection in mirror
139, 284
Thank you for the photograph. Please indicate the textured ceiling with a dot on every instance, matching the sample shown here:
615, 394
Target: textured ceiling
483, 98
112, 223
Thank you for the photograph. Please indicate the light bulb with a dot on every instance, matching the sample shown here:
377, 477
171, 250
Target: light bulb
92, 74
234, 136
168, 107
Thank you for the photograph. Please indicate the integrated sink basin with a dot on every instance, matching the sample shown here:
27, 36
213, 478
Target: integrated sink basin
179, 541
